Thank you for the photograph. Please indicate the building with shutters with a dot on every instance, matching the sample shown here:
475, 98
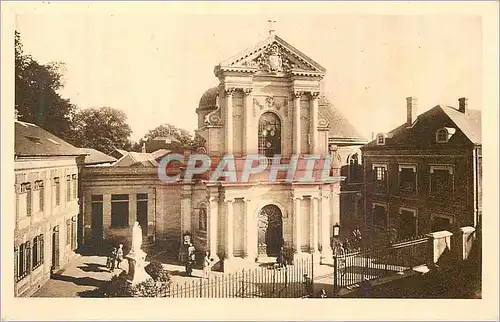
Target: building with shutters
46, 204
425, 175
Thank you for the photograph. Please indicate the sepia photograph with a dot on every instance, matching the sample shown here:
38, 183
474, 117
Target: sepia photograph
183, 151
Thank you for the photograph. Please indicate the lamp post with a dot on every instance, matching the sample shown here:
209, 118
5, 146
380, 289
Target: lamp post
336, 230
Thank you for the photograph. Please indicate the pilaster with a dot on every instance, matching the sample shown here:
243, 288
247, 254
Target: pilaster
229, 228
228, 93
314, 123
296, 118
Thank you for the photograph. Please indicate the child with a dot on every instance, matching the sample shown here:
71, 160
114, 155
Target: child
119, 256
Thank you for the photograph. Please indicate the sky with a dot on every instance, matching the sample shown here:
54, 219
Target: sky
155, 65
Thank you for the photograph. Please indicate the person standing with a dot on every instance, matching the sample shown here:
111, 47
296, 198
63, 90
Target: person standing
190, 260
110, 263
119, 256
207, 265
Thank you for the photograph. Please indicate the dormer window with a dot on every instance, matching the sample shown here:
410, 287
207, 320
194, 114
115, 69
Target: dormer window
444, 134
380, 139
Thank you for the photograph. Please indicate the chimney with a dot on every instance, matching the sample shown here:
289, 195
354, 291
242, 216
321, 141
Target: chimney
411, 110
143, 150
462, 105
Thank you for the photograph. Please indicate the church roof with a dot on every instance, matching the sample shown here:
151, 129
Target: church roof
340, 128
208, 100
255, 58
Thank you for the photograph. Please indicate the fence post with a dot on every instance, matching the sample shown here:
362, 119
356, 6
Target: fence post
335, 274
242, 283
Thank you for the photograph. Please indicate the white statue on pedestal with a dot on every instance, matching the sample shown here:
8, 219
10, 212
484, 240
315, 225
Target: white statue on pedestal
136, 257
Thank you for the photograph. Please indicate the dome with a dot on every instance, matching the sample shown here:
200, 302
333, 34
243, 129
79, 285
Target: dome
208, 100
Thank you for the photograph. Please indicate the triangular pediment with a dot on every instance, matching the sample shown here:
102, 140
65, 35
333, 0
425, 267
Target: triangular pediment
273, 55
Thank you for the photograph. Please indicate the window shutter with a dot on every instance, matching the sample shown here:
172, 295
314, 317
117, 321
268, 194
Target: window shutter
16, 262
42, 248
28, 256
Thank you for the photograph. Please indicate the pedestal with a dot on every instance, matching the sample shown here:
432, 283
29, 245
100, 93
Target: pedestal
136, 263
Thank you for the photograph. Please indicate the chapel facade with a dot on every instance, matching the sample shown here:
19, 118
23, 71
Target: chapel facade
268, 101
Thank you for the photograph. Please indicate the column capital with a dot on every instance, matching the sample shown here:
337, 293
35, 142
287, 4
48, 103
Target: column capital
213, 198
314, 95
229, 91
245, 199
247, 91
297, 94
229, 200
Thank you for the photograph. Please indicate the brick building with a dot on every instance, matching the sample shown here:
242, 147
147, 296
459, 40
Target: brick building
46, 205
425, 175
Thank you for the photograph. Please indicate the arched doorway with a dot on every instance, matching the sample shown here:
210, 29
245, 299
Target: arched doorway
270, 237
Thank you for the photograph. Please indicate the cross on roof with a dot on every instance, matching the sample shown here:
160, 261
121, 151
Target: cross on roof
271, 25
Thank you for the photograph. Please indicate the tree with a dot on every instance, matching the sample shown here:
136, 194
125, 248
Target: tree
103, 129
185, 140
36, 94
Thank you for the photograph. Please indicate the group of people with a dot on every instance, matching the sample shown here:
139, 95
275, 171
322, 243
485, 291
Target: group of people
115, 258
189, 259
351, 244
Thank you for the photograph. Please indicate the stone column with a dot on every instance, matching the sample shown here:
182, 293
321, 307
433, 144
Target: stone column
229, 229
296, 116
248, 147
326, 249
213, 214
250, 226
315, 225
297, 219
229, 119
314, 148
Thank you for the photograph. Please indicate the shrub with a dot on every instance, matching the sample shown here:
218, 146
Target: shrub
119, 286
157, 272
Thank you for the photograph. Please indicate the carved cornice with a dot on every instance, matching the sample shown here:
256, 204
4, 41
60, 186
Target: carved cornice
247, 91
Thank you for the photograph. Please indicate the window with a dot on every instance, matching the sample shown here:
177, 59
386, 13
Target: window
380, 139
68, 188
22, 260
269, 134
68, 231
379, 216
407, 223
26, 188
75, 187
119, 211
57, 188
441, 180
408, 179
442, 136
353, 168
37, 251
142, 212
202, 218
380, 176
97, 217
441, 222
39, 187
